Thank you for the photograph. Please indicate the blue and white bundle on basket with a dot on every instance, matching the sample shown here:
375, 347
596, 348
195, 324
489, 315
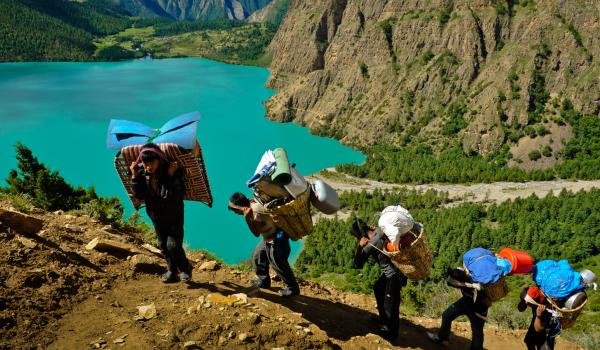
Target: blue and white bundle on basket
177, 140
482, 266
557, 279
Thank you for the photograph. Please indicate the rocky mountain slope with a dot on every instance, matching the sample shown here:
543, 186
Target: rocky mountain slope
58, 294
193, 9
388, 72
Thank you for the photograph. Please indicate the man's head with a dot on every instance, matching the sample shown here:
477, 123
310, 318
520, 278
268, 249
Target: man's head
151, 157
237, 202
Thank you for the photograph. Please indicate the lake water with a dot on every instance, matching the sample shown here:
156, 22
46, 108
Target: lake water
61, 111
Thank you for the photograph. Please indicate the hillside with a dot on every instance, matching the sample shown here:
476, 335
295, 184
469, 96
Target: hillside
193, 10
485, 77
57, 294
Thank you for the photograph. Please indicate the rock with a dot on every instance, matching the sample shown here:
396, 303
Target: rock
106, 245
231, 335
152, 249
73, 228
243, 336
26, 242
119, 341
201, 299
307, 330
20, 222
69, 217
146, 312
190, 310
222, 299
192, 344
141, 262
280, 348
222, 340
218, 328
206, 305
58, 212
209, 266
241, 297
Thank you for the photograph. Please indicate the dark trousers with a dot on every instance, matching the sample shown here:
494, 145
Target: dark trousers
465, 306
387, 294
275, 254
170, 241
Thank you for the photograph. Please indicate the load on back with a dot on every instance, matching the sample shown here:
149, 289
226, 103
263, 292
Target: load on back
287, 196
176, 138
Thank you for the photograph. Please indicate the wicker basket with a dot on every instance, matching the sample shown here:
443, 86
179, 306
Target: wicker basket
568, 316
294, 216
415, 261
195, 179
496, 291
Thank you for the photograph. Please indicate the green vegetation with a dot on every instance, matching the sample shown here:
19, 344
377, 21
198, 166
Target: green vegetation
445, 12
364, 70
554, 227
456, 122
35, 185
62, 30
534, 155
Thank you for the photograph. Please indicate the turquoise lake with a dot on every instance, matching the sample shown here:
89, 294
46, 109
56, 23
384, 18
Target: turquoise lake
62, 110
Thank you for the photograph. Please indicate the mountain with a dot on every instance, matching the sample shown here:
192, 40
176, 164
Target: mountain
272, 13
484, 73
193, 9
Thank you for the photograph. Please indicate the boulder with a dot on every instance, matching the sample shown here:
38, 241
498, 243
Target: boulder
209, 266
20, 222
142, 262
146, 312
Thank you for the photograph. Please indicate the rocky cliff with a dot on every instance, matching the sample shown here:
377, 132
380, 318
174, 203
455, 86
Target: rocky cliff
392, 72
193, 9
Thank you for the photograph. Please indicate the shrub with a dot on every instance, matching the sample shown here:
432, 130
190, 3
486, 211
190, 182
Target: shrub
535, 155
108, 211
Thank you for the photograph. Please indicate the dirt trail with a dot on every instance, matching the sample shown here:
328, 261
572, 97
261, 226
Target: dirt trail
56, 294
482, 192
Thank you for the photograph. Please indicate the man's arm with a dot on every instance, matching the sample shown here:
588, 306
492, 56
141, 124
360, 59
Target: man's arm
254, 225
360, 256
138, 183
538, 324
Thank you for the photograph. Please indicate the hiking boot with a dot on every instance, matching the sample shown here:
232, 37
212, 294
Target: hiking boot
260, 283
169, 277
289, 292
377, 320
387, 334
434, 337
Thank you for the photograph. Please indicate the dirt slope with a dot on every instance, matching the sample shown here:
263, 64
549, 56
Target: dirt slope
56, 294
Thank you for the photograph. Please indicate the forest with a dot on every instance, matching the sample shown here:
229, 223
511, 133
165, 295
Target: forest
418, 163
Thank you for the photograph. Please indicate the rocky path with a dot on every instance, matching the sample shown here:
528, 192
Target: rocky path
60, 293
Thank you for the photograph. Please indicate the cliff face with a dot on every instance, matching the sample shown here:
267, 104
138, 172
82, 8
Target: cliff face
193, 9
378, 71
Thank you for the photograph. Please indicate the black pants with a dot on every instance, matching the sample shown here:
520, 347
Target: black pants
276, 254
465, 306
170, 241
387, 293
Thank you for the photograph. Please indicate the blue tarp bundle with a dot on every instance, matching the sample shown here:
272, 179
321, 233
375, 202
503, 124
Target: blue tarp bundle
180, 131
482, 266
557, 279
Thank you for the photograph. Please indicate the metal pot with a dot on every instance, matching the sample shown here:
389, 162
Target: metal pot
575, 300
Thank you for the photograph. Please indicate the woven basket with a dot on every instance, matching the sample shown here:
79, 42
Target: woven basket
568, 316
496, 291
191, 162
294, 216
415, 261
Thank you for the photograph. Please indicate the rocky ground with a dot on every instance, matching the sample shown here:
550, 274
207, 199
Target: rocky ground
59, 294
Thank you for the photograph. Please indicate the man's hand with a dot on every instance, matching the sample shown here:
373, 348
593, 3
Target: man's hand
133, 169
246, 211
363, 241
173, 166
540, 310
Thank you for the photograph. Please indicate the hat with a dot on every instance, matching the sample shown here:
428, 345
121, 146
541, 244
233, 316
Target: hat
395, 221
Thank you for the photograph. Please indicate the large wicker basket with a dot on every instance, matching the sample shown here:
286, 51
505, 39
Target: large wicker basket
415, 261
496, 291
294, 216
195, 179
567, 316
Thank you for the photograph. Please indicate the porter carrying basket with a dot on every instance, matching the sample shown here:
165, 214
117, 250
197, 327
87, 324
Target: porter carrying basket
414, 261
294, 216
191, 162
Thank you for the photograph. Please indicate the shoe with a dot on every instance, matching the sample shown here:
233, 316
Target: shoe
169, 277
186, 277
289, 292
377, 320
260, 283
434, 337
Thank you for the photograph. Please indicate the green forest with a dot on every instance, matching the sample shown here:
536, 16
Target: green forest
418, 163
62, 30
559, 226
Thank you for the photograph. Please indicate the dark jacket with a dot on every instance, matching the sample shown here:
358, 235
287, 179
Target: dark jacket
362, 254
164, 207
482, 302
